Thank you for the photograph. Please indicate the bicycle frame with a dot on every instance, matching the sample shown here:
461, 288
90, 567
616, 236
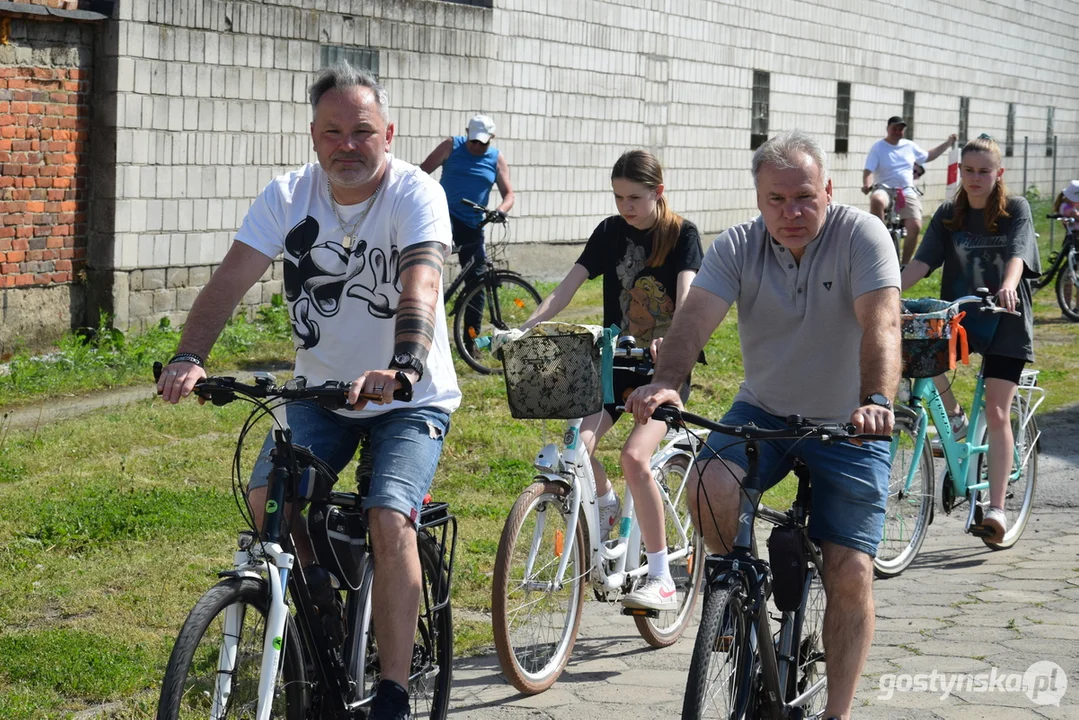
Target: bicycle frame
573, 467
960, 456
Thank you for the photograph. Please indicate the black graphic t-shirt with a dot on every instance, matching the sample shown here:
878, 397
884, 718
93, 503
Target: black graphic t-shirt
638, 299
974, 257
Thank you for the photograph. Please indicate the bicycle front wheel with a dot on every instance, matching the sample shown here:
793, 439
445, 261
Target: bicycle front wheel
687, 571
1024, 475
216, 664
809, 642
721, 672
535, 612
910, 505
1067, 290
506, 301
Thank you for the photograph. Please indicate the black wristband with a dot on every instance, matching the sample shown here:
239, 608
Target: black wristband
188, 358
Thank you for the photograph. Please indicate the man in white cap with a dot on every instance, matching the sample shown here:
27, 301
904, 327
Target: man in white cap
470, 166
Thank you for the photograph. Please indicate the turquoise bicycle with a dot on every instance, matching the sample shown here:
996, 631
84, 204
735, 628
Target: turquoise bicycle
931, 335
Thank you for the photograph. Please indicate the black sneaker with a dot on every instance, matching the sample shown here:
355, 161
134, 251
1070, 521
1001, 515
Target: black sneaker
390, 703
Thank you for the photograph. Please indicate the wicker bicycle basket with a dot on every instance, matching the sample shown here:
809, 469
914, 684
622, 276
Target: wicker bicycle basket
932, 337
553, 376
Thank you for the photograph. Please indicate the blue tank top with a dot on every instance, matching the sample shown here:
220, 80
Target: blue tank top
468, 176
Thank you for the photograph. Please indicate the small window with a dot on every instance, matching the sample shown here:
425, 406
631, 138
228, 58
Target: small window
759, 126
1009, 136
908, 113
964, 120
362, 58
475, 3
1049, 132
842, 117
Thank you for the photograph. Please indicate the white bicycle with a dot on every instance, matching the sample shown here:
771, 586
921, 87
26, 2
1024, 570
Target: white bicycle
551, 547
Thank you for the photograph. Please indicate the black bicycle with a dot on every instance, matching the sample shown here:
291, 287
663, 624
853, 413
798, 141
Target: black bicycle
499, 299
245, 651
740, 669
1064, 266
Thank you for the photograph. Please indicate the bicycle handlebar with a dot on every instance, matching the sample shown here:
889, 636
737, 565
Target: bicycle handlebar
489, 216
797, 427
986, 300
332, 394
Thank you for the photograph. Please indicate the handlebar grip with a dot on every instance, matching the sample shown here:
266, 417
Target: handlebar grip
668, 414
158, 367
1054, 216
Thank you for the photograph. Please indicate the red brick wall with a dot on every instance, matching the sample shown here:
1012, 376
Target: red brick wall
44, 149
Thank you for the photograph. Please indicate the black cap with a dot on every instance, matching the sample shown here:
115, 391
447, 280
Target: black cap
896, 120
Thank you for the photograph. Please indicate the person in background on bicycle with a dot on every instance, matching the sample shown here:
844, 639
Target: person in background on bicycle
891, 161
648, 256
470, 166
1066, 204
817, 288
985, 238
363, 237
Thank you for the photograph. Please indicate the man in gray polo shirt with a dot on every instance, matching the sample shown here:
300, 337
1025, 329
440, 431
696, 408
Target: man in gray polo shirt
817, 289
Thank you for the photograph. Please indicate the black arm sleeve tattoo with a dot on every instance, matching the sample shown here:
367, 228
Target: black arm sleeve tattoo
421, 274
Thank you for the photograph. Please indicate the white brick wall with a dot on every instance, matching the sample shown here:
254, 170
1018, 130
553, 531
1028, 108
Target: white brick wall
211, 96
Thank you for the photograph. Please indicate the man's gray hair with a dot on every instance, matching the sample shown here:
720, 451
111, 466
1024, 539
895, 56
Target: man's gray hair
342, 75
784, 152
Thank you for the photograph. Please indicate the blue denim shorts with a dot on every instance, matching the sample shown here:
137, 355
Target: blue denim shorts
850, 482
406, 444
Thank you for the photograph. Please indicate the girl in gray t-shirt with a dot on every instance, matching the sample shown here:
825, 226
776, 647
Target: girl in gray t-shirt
986, 239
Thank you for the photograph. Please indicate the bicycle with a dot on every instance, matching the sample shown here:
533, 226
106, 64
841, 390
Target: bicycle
740, 668
1064, 266
916, 493
895, 224
508, 298
550, 551
245, 651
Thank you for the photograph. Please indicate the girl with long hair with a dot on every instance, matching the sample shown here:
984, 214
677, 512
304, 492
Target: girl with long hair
648, 257
985, 238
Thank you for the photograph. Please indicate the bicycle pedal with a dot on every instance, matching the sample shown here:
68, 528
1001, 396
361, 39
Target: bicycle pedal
981, 531
640, 612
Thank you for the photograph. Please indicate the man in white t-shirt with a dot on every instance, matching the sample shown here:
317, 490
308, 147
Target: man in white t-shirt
363, 236
891, 163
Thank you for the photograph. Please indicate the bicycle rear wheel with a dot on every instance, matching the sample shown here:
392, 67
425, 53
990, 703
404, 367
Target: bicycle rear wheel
909, 509
1019, 499
687, 571
214, 673
506, 300
809, 641
535, 618
721, 673
1067, 290
431, 672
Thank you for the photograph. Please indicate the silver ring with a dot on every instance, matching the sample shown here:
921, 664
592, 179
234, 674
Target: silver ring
173, 372
379, 388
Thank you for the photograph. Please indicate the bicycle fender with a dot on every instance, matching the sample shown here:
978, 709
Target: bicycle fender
551, 477
240, 574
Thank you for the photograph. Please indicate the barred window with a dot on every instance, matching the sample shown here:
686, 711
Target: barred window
759, 126
475, 3
1049, 132
842, 117
358, 57
908, 113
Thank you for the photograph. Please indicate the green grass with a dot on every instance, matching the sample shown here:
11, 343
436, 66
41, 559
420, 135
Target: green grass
113, 524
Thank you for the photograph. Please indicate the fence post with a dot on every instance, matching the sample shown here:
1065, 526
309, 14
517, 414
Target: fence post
1053, 191
1025, 139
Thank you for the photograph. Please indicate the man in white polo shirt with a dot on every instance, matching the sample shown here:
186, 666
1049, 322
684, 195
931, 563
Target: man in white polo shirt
891, 162
817, 288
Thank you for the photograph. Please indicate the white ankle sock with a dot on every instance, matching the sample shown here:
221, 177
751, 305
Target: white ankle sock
657, 564
609, 499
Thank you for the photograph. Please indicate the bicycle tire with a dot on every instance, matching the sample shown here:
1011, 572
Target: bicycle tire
664, 630
1066, 289
1017, 512
431, 673
909, 510
535, 666
508, 300
809, 643
178, 695
723, 638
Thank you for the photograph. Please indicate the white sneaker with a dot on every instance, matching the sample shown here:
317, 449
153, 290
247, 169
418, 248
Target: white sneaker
959, 425
997, 521
655, 594
608, 517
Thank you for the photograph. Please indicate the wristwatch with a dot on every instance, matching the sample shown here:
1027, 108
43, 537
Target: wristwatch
877, 399
407, 361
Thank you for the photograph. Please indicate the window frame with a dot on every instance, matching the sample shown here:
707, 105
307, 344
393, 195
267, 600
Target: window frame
758, 113
842, 117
